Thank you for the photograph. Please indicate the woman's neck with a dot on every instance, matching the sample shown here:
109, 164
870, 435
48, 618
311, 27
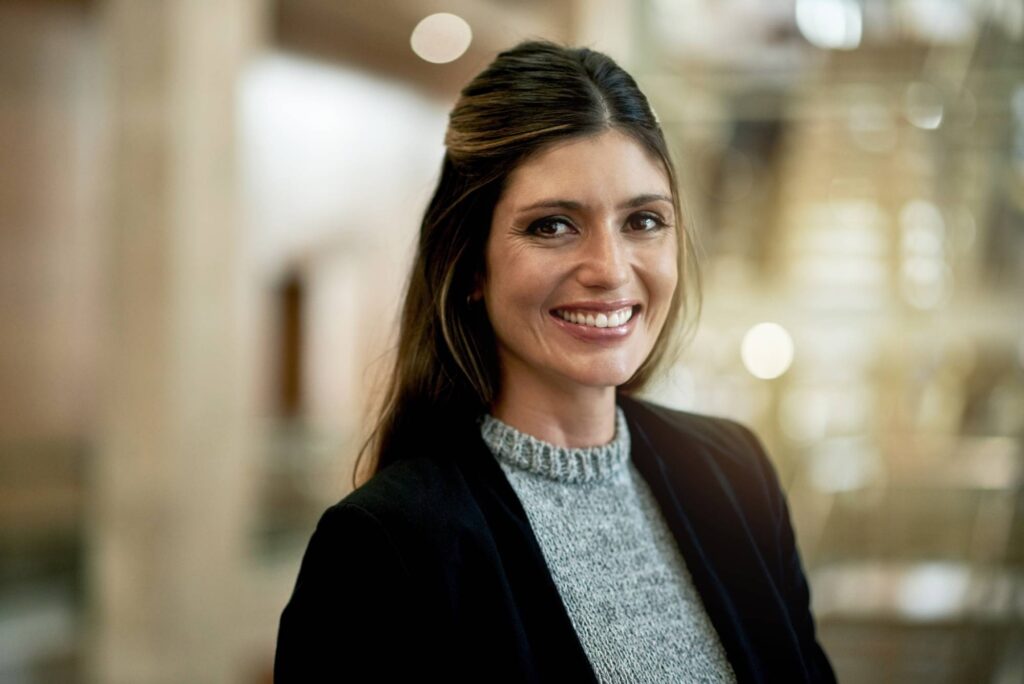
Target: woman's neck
569, 417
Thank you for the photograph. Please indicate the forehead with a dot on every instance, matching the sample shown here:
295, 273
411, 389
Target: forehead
608, 166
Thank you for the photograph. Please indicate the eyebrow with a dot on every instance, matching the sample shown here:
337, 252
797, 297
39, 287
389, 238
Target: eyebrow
573, 205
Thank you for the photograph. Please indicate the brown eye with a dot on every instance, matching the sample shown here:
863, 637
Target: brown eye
551, 226
646, 222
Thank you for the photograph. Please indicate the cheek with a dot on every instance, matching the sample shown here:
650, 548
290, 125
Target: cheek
510, 295
664, 270
521, 279
669, 272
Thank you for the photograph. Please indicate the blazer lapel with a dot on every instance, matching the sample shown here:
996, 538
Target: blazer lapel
556, 651
701, 504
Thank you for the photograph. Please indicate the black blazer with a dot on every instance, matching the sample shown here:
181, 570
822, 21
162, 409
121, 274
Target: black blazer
431, 568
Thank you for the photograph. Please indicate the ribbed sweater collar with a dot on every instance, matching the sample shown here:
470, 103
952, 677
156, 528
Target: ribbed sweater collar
571, 465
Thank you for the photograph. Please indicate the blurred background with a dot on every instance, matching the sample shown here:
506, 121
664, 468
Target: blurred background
206, 214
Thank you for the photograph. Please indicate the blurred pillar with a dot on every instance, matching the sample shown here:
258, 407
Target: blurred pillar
169, 487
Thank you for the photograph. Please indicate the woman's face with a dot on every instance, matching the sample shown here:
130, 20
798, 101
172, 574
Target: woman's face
581, 263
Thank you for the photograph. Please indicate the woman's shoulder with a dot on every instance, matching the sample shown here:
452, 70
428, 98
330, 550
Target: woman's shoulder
362, 570
411, 479
410, 493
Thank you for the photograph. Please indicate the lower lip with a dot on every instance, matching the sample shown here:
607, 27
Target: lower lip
593, 334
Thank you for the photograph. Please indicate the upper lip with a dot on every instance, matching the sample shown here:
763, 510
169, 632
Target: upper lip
591, 305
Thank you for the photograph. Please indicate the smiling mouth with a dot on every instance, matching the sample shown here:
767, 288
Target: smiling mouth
595, 319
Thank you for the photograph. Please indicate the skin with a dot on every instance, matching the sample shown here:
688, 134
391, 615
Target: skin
586, 220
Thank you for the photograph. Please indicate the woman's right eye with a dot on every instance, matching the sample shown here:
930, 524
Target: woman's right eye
551, 226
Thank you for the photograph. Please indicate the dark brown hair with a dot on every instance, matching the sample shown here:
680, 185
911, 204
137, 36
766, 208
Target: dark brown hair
538, 93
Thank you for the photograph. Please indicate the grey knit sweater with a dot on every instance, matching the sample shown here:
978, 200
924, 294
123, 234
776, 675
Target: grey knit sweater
617, 567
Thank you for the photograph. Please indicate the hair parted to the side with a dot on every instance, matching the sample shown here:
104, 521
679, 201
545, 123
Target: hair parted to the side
535, 94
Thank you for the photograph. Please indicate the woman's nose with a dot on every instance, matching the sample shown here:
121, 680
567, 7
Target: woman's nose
604, 262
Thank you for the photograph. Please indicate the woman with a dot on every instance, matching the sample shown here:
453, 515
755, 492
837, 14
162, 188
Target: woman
527, 520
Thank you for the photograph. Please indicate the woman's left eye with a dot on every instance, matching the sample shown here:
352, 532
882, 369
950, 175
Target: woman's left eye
646, 223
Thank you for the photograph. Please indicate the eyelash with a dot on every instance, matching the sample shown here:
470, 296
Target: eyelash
535, 227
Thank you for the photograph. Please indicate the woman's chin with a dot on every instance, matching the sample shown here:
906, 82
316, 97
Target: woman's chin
605, 378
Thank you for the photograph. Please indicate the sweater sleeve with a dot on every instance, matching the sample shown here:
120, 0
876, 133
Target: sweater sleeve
794, 586
351, 614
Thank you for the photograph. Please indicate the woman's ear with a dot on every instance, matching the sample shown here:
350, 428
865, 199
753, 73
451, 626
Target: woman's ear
477, 293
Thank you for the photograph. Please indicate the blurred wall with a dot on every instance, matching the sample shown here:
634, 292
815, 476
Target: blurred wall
52, 139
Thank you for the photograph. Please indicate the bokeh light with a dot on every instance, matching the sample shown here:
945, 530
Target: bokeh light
934, 590
830, 24
441, 38
924, 106
767, 350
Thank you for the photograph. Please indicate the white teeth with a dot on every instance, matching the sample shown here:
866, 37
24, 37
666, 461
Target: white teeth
600, 320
